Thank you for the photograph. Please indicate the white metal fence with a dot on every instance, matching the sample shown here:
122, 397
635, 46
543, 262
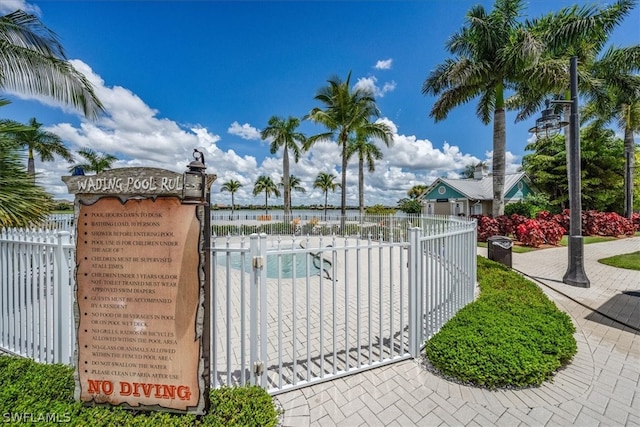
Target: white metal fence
36, 302
289, 312
285, 311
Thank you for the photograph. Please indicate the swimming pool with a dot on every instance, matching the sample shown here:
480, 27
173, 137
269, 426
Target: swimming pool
281, 262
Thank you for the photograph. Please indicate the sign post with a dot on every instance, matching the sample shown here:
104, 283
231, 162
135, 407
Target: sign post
142, 289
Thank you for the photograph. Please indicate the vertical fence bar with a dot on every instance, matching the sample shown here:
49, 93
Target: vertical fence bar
254, 247
4, 289
335, 306
280, 347
213, 316
414, 321
392, 313
322, 315
63, 307
263, 312
346, 308
358, 307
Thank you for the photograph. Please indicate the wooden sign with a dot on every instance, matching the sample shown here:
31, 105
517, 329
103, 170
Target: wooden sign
141, 297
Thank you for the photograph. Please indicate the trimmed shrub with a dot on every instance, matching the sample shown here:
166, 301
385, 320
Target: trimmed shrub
511, 336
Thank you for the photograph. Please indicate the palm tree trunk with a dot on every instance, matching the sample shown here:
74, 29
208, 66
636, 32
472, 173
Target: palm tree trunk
343, 197
233, 205
266, 203
361, 187
31, 164
499, 149
287, 189
629, 148
326, 196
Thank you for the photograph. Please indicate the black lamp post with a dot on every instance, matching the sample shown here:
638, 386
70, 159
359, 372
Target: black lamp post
545, 128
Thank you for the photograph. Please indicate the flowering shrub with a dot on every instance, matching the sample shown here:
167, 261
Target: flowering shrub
529, 233
552, 231
562, 219
544, 216
487, 227
606, 224
635, 219
547, 228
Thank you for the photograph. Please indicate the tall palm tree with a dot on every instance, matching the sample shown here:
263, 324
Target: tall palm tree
33, 62
573, 31
232, 186
620, 101
325, 182
294, 184
266, 184
46, 144
487, 61
346, 111
367, 152
22, 201
94, 162
283, 134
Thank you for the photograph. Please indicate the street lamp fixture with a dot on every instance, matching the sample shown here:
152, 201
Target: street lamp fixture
550, 123
194, 185
545, 126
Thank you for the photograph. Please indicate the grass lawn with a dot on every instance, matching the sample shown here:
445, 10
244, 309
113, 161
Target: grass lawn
629, 261
588, 239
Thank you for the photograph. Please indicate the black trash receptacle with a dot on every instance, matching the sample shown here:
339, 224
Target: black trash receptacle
499, 249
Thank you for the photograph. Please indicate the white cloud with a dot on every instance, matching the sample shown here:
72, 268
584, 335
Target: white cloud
9, 6
245, 131
370, 85
384, 64
134, 132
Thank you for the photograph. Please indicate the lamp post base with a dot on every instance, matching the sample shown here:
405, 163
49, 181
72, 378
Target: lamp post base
575, 275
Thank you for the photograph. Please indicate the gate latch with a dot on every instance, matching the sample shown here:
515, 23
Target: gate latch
258, 368
258, 262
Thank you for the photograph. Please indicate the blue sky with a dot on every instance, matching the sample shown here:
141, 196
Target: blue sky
175, 76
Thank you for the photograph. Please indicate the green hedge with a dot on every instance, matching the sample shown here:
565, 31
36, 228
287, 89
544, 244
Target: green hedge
511, 336
35, 392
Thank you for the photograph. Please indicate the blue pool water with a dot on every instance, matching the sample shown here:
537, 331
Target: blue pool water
286, 266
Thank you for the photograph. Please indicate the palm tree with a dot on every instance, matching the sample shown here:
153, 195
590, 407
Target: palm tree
95, 162
266, 184
283, 134
369, 152
583, 33
33, 62
45, 143
346, 112
22, 201
231, 186
416, 191
620, 101
487, 61
325, 182
294, 184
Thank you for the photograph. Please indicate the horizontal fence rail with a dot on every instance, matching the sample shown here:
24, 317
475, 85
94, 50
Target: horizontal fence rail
288, 309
